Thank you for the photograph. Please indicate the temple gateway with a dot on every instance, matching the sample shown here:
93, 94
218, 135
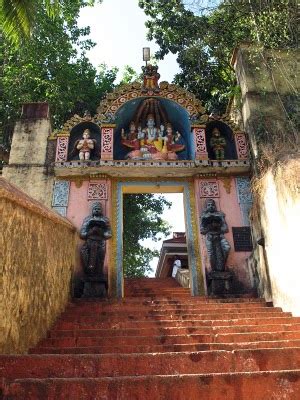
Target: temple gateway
219, 320
149, 137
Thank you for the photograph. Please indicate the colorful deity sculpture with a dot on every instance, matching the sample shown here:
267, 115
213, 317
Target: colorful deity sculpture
152, 142
85, 145
150, 78
218, 144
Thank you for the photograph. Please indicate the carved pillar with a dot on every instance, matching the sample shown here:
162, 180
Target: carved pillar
62, 148
200, 142
107, 142
244, 197
60, 197
241, 146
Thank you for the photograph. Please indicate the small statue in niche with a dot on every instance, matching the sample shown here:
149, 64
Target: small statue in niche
150, 78
218, 144
95, 230
213, 226
85, 145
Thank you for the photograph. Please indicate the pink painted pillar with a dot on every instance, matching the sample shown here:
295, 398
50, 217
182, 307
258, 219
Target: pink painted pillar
62, 145
200, 142
241, 145
107, 142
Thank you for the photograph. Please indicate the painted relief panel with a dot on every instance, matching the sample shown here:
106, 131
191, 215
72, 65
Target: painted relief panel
60, 197
97, 191
241, 146
244, 196
62, 148
209, 189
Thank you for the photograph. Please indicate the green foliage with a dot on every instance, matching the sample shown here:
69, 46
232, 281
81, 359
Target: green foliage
129, 75
142, 220
18, 18
204, 37
51, 66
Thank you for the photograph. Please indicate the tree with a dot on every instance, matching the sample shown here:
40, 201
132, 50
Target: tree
204, 37
130, 75
142, 220
51, 66
18, 18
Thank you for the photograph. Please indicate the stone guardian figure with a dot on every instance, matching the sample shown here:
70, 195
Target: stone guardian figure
213, 226
95, 230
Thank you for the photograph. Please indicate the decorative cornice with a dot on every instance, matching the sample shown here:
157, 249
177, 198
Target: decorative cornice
113, 101
71, 123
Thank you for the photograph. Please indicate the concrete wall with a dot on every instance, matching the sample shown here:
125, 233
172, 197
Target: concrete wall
268, 81
27, 168
37, 249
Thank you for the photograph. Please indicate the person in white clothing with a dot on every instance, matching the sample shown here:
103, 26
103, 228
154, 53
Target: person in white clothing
176, 267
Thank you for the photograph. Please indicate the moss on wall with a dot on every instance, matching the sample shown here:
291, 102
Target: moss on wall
270, 111
37, 250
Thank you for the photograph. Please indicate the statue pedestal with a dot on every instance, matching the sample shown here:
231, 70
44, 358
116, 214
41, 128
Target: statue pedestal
219, 282
94, 287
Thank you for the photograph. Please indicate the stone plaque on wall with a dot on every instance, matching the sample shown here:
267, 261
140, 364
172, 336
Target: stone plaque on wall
242, 238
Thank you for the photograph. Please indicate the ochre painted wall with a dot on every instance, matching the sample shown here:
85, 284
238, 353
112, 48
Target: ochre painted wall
37, 249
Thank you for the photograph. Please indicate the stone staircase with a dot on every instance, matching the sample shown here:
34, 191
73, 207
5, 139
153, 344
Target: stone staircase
160, 343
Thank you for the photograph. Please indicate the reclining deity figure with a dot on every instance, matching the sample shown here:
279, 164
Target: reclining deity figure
213, 226
85, 145
95, 230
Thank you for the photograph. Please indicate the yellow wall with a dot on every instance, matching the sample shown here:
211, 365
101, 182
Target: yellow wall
37, 260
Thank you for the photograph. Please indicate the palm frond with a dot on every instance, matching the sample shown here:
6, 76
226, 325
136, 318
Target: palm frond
17, 18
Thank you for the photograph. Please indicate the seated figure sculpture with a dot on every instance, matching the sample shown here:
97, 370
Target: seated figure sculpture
95, 230
152, 142
213, 226
85, 145
150, 78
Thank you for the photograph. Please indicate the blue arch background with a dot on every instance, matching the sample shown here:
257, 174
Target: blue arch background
178, 117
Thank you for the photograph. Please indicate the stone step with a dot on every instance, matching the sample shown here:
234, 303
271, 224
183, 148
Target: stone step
172, 330
169, 323
119, 316
167, 348
94, 366
230, 386
64, 342
101, 309
171, 311
162, 301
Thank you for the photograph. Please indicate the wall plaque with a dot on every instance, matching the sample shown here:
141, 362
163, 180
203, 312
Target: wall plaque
242, 238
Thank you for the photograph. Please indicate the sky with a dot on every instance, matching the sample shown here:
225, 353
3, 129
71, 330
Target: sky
118, 28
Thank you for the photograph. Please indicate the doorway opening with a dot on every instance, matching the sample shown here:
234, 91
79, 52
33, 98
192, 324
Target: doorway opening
154, 235
124, 187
